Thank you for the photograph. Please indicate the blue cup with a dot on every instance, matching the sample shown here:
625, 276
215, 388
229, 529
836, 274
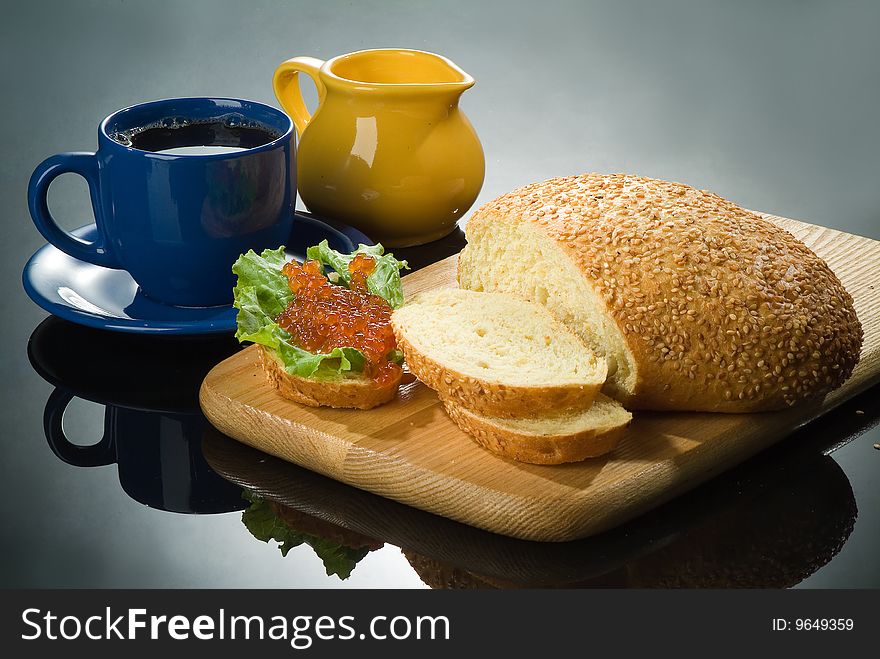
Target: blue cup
177, 222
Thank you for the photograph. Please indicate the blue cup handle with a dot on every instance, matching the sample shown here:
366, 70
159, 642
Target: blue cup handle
86, 165
97, 455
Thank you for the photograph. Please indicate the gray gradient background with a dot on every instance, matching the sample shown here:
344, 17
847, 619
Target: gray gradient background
771, 104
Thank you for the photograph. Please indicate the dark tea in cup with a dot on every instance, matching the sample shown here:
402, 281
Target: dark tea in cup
187, 136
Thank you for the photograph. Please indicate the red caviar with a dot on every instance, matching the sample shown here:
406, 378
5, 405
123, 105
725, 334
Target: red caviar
323, 316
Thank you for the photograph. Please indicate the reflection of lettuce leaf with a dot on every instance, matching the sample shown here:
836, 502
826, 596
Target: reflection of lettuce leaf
384, 281
260, 294
265, 525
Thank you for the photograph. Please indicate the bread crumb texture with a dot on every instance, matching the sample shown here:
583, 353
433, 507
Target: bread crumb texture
703, 305
496, 355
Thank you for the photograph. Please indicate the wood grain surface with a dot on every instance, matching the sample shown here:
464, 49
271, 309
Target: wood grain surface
770, 525
410, 451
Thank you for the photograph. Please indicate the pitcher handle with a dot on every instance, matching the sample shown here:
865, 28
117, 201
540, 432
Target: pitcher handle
287, 91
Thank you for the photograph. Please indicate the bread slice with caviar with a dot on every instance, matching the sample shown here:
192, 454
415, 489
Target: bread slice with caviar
353, 391
549, 439
495, 354
697, 304
323, 326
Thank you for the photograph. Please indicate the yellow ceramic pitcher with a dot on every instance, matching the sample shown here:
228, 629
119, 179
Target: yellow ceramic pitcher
387, 150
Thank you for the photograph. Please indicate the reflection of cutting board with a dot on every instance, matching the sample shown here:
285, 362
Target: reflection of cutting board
410, 451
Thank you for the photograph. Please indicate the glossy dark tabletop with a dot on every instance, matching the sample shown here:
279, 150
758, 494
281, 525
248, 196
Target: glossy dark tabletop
110, 477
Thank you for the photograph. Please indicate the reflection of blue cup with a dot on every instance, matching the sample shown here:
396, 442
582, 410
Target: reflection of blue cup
158, 455
153, 426
176, 223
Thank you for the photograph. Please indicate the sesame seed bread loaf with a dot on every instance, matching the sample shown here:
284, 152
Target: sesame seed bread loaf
352, 392
696, 303
496, 354
547, 440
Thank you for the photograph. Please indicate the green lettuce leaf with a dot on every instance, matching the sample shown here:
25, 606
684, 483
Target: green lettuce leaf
265, 525
260, 294
384, 281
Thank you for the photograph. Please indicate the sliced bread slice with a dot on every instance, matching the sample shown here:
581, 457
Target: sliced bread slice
353, 392
549, 440
495, 354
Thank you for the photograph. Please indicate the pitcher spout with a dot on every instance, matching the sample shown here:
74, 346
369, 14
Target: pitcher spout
391, 70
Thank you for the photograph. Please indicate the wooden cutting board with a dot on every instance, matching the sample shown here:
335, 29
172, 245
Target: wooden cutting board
410, 451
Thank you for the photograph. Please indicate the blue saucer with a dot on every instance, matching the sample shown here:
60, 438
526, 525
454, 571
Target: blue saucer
110, 299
